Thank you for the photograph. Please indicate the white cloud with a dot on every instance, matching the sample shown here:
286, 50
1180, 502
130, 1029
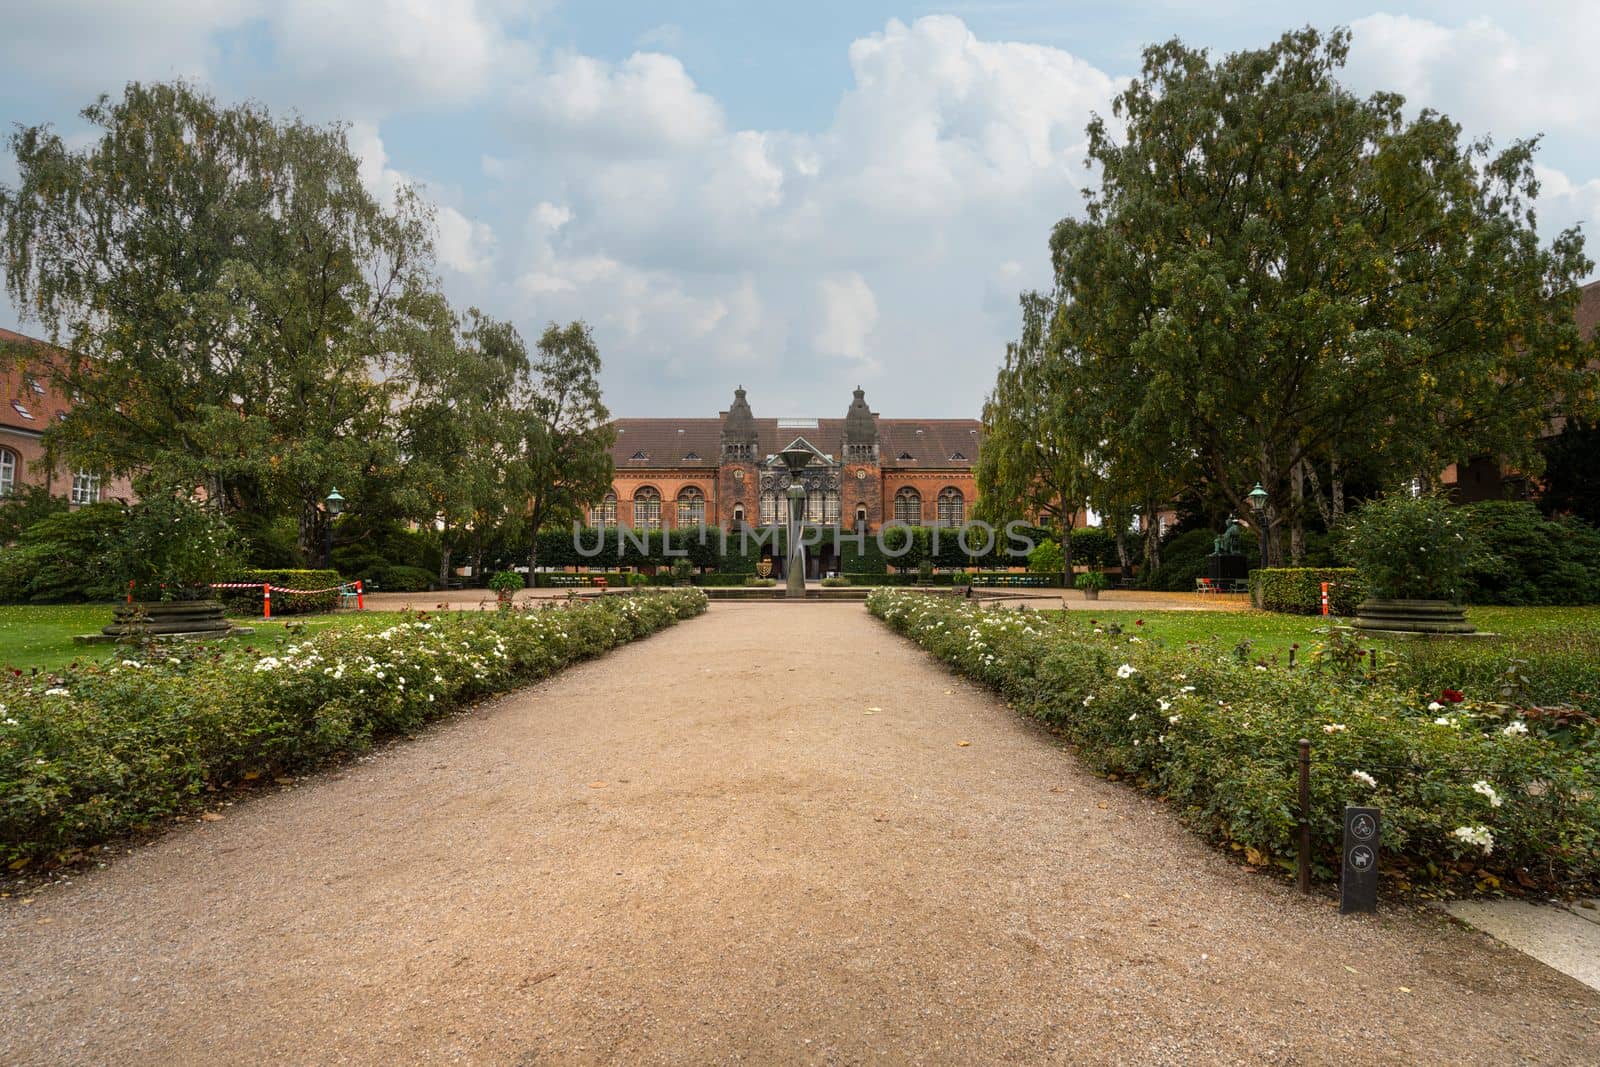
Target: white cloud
644, 105
848, 314
89, 47
460, 243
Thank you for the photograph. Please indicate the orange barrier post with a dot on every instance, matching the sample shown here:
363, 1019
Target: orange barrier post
266, 601
1324, 598
130, 591
361, 599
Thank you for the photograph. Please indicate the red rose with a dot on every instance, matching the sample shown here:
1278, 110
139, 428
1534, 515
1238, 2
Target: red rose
1453, 696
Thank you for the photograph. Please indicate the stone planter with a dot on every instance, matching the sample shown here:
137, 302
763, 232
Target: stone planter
164, 618
1091, 593
1413, 616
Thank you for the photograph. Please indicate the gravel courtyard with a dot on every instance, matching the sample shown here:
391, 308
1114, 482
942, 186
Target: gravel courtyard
775, 834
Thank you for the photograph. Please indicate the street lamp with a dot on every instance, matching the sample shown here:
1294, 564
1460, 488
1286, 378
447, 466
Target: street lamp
1258, 504
335, 504
796, 457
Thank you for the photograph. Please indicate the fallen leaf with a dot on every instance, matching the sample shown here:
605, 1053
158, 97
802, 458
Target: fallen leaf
211, 816
1405, 989
963, 744
947, 692
1351, 969
597, 785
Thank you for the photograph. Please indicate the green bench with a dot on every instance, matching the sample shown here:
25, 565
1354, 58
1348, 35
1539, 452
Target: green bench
598, 581
1035, 580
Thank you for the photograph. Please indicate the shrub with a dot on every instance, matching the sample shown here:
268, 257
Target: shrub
171, 547
398, 578
248, 601
834, 583
1520, 557
61, 558
24, 506
760, 583
1046, 558
1298, 590
99, 751
1217, 734
1409, 547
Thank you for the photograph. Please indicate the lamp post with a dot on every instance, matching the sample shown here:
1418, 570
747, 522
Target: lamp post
335, 504
796, 457
1258, 504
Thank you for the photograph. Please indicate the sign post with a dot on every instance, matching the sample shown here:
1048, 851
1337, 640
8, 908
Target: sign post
1358, 878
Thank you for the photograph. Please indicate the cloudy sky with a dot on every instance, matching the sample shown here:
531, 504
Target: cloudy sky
799, 197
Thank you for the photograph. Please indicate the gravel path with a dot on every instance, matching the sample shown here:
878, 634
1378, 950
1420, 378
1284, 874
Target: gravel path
715, 845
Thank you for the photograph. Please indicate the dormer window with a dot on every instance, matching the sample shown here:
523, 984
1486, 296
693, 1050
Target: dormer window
957, 457
22, 410
692, 455
905, 456
33, 383
641, 454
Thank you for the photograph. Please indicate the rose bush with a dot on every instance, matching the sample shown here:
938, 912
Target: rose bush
1471, 792
99, 751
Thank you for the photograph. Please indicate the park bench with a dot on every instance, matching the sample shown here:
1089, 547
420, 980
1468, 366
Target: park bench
1037, 580
1206, 585
598, 581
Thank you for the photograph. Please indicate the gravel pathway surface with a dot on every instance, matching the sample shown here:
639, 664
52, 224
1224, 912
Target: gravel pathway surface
775, 834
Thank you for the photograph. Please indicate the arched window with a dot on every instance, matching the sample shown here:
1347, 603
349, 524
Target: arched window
647, 508
738, 514
605, 512
8, 471
908, 507
822, 506
861, 514
691, 506
952, 506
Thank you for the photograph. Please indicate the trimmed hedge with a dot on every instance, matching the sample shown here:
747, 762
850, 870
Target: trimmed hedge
1298, 590
100, 751
1473, 793
248, 601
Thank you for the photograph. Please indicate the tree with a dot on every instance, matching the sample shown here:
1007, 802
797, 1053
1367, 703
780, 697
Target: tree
1296, 281
230, 296
565, 436
1572, 472
460, 433
1034, 460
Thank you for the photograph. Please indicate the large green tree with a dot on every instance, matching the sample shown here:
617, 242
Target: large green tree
461, 434
566, 434
231, 297
1296, 281
1036, 456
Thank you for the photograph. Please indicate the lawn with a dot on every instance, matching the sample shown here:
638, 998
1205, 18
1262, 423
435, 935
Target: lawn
40, 635
1271, 634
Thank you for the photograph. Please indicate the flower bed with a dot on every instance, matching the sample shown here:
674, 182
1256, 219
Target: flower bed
96, 752
1473, 791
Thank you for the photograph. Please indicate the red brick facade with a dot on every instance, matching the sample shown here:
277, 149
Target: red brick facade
862, 463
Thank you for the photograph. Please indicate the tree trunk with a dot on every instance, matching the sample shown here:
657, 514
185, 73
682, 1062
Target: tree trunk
533, 544
1124, 558
1297, 532
1336, 491
445, 551
1152, 538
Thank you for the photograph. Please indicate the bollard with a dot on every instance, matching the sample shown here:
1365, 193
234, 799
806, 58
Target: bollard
1324, 598
1291, 657
130, 591
1372, 657
266, 601
1304, 860
361, 603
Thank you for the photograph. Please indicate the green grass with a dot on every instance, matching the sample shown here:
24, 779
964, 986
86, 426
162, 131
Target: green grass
1272, 634
40, 635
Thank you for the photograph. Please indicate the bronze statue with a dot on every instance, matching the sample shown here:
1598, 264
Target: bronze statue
1228, 543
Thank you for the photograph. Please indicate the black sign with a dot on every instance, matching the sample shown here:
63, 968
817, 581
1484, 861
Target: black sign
1358, 881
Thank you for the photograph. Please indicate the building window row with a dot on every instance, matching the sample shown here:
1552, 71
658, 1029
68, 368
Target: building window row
951, 505
85, 486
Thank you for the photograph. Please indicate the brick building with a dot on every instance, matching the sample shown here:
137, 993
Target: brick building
29, 404
725, 471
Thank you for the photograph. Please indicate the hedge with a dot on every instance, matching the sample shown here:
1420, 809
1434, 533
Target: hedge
1473, 793
1521, 557
1298, 590
102, 750
248, 601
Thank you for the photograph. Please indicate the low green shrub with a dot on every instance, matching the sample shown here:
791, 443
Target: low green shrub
249, 601
833, 583
398, 578
1298, 590
1410, 546
100, 751
61, 558
1521, 557
1472, 790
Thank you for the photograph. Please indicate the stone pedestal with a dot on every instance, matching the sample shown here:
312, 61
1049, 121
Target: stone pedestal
167, 617
1229, 567
1413, 616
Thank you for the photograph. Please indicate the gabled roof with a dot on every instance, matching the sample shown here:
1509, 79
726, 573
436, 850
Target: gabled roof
931, 443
